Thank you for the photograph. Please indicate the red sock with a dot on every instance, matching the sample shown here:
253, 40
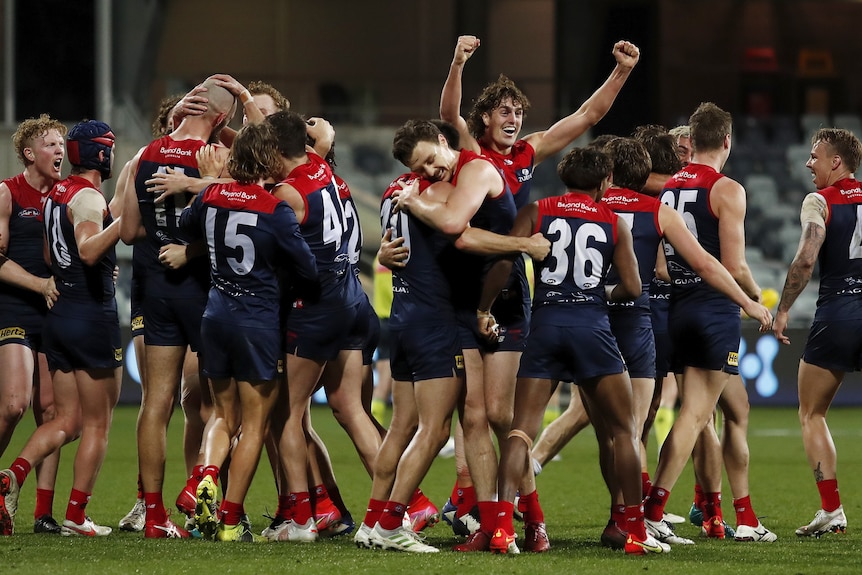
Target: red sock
618, 516
655, 502
634, 520
140, 487
532, 508
455, 495
77, 504
195, 478
466, 500
44, 502
418, 499
711, 505
211, 471
283, 510
231, 513
830, 499
198, 472
320, 495
487, 516
505, 511
20, 468
392, 516
156, 513
645, 483
373, 511
300, 504
699, 497
744, 512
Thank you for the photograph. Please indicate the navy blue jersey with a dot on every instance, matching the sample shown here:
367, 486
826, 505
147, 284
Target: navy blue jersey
421, 293
162, 221
688, 193
640, 212
353, 229
569, 283
840, 258
249, 234
76, 282
325, 231
25, 245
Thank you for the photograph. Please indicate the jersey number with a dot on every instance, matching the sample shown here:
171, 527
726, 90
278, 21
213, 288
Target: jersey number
397, 222
233, 239
589, 262
59, 249
686, 199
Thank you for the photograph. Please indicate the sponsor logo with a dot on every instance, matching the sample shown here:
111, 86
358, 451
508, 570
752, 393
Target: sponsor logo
137, 323
580, 206
684, 175
12, 333
175, 152
318, 174
733, 358
236, 196
118, 354
852, 191
30, 213
524, 175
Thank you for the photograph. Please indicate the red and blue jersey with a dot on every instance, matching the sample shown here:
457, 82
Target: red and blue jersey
76, 282
569, 283
688, 192
517, 168
840, 258
161, 221
640, 212
250, 235
353, 229
25, 242
421, 291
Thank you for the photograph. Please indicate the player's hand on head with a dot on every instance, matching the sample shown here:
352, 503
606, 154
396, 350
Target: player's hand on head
229, 83
403, 196
192, 104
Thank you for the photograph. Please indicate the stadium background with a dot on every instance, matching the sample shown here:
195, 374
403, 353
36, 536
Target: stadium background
782, 67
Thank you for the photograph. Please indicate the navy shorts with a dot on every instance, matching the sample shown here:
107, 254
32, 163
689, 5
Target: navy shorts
835, 345
426, 352
22, 325
383, 351
514, 327
571, 353
320, 332
174, 322
136, 295
632, 329
243, 353
704, 338
82, 343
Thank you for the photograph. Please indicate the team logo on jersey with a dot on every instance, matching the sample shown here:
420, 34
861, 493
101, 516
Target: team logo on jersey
733, 359
118, 354
524, 175
12, 333
459, 361
137, 323
30, 213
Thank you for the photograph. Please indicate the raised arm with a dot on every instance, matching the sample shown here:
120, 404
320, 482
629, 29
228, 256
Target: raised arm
450, 97
814, 213
567, 130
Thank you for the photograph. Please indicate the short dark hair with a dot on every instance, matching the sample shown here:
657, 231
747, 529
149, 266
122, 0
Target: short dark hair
291, 133
584, 168
843, 142
600, 141
450, 132
410, 134
254, 154
490, 98
631, 162
709, 125
661, 147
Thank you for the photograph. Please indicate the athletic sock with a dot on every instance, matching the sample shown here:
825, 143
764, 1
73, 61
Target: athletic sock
645, 483
156, 513
711, 505
487, 516
230, 512
20, 469
392, 516
373, 511
634, 521
830, 499
466, 500
75, 511
505, 511
655, 502
44, 502
300, 504
532, 509
744, 512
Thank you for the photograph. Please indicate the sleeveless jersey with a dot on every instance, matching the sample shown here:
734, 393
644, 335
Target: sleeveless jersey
517, 168
421, 293
352, 226
840, 258
25, 244
162, 221
325, 231
249, 234
688, 193
569, 283
641, 214
76, 282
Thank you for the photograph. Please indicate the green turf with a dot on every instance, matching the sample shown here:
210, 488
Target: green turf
572, 495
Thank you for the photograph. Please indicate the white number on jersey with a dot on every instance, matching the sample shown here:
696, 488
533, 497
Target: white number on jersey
233, 239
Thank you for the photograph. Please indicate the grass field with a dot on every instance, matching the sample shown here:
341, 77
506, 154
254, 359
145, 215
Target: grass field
571, 491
